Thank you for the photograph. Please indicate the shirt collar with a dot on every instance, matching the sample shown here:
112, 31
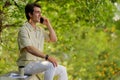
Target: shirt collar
30, 27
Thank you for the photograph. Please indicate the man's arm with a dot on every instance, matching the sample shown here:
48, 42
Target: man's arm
38, 53
53, 37
25, 44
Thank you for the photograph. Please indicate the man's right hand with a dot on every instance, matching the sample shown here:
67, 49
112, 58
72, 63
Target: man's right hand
53, 61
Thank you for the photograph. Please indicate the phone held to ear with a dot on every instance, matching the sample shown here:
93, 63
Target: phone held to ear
41, 20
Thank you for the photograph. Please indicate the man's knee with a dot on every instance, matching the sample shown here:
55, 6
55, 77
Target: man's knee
63, 69
50, 65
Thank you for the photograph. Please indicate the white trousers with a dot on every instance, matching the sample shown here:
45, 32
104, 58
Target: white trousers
49, 70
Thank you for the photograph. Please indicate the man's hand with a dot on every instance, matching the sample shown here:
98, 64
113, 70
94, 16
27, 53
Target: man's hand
46, 22
53, 61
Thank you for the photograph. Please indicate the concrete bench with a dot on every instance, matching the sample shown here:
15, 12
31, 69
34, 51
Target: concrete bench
15, 76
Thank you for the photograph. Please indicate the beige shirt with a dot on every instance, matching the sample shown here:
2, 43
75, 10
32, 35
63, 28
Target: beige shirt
28, 36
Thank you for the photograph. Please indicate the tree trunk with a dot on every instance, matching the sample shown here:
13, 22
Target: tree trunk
0, 26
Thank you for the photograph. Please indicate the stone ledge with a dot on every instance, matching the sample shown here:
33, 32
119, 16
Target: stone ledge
7, 77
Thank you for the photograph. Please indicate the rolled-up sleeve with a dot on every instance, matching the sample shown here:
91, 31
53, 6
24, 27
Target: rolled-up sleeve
23, 39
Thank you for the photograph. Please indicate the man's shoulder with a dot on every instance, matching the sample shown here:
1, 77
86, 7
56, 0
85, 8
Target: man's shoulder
24, 26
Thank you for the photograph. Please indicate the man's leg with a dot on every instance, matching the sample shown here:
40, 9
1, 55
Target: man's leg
39, 67
50, 72
61, 72
48, 69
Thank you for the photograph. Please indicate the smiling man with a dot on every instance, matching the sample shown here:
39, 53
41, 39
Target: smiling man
31, 42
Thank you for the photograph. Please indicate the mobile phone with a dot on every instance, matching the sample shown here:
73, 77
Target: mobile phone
41, 20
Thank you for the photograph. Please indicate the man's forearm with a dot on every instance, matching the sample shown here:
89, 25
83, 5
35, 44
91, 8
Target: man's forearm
53, 36
35, 51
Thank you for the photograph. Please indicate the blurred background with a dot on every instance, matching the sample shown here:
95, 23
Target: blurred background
88, 34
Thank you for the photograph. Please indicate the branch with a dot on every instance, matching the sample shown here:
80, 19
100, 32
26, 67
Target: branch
16, 4
10, 25
7, 3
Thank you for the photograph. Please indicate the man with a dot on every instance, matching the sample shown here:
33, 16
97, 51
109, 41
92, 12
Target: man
31, 40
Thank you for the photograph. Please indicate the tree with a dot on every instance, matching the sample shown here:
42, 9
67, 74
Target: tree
83, 27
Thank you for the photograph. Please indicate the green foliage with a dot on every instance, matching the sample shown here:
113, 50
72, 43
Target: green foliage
88, 38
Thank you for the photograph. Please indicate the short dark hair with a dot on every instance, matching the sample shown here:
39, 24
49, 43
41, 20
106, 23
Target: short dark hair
29, 8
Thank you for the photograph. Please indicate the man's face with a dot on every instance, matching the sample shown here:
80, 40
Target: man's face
36, 14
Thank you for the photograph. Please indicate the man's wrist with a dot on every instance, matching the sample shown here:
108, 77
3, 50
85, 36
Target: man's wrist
46, 57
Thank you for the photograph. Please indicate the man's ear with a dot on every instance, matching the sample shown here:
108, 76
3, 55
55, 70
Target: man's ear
30, 14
